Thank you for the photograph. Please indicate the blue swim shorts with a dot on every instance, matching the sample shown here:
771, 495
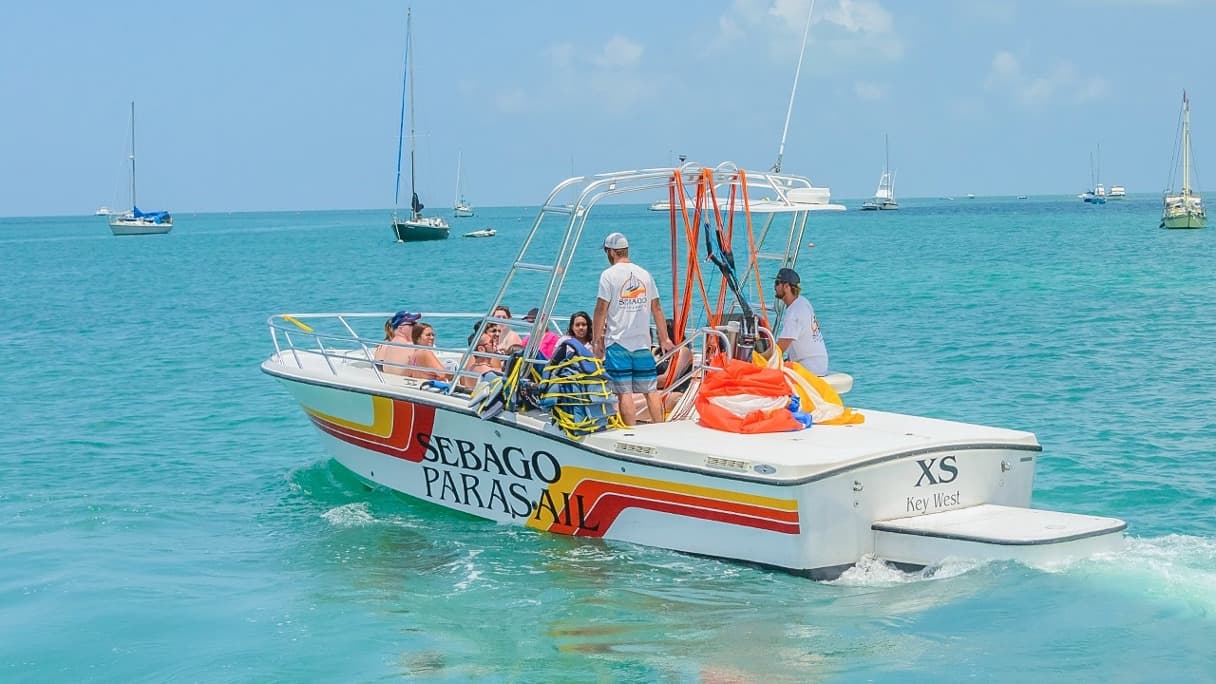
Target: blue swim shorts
630, 371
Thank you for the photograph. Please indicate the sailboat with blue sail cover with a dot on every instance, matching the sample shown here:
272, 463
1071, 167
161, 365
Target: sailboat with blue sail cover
136, 222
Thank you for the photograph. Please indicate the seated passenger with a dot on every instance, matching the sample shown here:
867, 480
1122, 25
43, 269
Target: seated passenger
580, 327
681, 377
428, 365
507, 337
480, 363
548, 339
398, 330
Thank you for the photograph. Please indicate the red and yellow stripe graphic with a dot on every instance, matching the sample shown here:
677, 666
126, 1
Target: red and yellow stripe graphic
605, 495
393, 430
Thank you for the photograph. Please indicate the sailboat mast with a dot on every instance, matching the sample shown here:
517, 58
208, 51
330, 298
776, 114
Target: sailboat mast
401, 122
132, 155
1186, 145
886, 150
409, 54
790, 110
458, 160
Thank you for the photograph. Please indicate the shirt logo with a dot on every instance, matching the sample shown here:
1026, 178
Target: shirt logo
633, 289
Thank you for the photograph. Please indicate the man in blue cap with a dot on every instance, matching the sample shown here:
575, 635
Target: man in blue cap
626, 301
800, 338
394, 358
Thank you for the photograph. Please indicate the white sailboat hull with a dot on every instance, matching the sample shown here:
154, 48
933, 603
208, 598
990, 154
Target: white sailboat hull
134, 226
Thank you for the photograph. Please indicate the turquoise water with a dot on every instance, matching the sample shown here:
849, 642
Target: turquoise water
168, 514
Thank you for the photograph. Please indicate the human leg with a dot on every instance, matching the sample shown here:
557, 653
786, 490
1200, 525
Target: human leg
654, 406
627, 406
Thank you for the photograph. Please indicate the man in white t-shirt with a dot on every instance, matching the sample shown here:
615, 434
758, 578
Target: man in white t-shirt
626, 301
799, 338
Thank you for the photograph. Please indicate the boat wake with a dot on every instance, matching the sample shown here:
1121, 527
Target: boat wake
1172, 567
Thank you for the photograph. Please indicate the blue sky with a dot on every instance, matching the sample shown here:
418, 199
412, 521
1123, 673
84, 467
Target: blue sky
275, 105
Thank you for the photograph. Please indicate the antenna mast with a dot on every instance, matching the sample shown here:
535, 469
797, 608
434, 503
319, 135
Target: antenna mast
790, 111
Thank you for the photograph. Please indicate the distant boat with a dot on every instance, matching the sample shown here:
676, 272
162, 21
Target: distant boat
417, 227
103, 211
462, 208
884, 196
1023, 197
971, 195
484, 232
1096, 194
1184, 209
1117, 192
136, 222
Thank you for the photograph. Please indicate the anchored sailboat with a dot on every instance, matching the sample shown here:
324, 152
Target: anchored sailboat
462, 207
416, 227
1096, 194
884, 196
1184, 209
136, 222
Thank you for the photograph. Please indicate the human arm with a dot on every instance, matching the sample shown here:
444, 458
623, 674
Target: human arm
432, 367
660, 322
599, 326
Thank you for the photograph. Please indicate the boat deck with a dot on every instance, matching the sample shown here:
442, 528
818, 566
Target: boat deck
809, 454
805, 455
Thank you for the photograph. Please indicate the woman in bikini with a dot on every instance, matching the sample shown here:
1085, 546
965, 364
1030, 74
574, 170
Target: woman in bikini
427, 365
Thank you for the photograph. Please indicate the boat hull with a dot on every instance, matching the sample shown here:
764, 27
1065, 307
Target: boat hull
534, 477
880, 205
408, 231
462, 212
1184, 221
129, 227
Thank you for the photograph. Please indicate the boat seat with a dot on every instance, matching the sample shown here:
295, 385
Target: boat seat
841, 382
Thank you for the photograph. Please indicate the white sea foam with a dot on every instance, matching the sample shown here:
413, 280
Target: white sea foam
469, 565
1174, 568
349, 515
873, 572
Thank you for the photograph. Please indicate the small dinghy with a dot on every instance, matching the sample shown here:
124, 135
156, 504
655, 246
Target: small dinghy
484, 232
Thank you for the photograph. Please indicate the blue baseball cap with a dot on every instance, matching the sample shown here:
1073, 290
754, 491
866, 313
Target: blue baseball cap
403, 318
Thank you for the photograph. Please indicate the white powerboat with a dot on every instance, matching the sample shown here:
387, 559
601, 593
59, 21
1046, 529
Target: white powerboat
908, 490
483, 233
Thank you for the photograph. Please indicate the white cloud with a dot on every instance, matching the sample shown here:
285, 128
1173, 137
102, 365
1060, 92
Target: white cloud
844, 31
611, 75
1061, 82
619, 52
863, 16
869, 91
